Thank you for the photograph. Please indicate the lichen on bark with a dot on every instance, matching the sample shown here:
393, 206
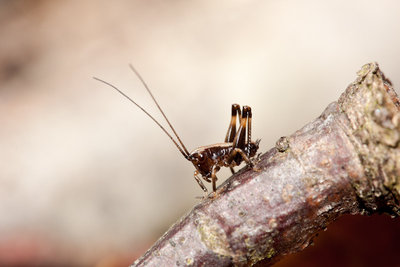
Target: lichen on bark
372, 107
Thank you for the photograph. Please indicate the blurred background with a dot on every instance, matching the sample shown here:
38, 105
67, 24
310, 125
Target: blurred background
86, 179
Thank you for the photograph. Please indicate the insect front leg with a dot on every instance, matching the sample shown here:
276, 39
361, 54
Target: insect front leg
214, 177
198, 180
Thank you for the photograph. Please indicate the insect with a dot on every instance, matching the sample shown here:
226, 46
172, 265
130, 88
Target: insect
208, 160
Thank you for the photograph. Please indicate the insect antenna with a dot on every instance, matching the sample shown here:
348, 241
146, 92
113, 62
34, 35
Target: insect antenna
158, 106
184, 151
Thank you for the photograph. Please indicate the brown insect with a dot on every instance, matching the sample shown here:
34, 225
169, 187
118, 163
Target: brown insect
208, 160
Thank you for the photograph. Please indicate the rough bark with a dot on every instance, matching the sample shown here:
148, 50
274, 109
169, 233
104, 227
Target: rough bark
345, 161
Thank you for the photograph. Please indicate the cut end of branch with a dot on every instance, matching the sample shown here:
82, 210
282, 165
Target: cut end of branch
373, 109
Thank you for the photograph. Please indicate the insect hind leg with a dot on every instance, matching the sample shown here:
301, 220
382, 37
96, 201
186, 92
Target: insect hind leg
230, 135
239, 151
240, 138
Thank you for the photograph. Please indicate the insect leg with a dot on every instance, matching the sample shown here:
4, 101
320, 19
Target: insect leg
239, 142
249, 116
214, 178
230, 135
240, 138
244, 156
198, 180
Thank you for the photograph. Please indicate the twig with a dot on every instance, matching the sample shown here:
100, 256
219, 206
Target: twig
345, 161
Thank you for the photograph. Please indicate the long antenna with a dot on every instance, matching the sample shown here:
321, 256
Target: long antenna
184, 152
158, 106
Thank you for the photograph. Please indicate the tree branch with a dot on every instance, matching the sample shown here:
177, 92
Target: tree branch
345, 161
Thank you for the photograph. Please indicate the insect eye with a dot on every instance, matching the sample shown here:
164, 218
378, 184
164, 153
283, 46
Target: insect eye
200, 157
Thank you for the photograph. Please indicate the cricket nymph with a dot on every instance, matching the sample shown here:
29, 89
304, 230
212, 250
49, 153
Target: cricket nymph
208, 160
205, 158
